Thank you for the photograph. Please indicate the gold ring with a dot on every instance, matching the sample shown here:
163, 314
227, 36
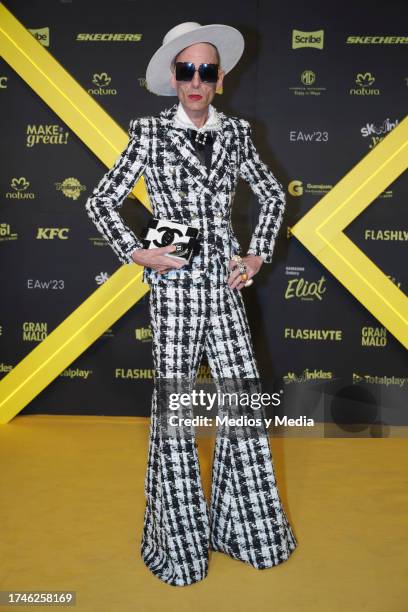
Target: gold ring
244, 276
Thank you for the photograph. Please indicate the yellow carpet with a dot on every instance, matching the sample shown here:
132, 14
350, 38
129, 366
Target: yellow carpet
71, 515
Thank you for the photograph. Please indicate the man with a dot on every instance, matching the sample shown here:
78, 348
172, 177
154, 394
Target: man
191, 157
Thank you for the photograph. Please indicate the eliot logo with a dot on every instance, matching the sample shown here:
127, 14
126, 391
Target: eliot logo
305, 290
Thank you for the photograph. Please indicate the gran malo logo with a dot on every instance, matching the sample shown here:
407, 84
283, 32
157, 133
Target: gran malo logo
35, 331
374, 336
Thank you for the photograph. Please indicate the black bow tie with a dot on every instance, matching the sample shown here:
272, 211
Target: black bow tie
200, 139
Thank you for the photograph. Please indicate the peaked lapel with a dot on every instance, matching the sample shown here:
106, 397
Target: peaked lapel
183, 148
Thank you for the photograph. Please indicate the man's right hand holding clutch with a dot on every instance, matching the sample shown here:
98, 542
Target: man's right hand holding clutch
156, 258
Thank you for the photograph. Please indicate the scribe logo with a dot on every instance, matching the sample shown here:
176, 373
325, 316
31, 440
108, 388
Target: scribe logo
42, 35
307, 39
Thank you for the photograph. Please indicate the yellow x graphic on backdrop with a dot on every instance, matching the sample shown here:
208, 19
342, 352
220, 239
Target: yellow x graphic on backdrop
321, 230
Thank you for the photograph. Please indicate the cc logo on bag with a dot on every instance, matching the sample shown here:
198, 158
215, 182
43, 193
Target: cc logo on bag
168, 236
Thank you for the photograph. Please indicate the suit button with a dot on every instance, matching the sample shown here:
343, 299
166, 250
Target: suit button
219, 214
193, 216
183, 194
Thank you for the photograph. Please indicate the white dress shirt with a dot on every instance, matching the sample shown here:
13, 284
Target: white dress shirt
182, 120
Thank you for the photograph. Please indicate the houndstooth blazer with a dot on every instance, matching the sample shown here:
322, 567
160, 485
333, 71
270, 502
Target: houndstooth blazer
181, 189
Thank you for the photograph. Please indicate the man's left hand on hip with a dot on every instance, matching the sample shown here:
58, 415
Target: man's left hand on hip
252, 264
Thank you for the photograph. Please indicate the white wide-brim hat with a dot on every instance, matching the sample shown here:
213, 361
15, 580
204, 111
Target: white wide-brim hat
228, 40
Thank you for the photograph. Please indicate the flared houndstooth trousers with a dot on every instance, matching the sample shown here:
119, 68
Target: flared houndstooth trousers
246, 519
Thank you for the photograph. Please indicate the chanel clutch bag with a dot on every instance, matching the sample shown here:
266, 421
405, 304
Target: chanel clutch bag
163, 232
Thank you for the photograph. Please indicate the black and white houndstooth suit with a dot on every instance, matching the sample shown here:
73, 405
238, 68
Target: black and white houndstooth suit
193, 310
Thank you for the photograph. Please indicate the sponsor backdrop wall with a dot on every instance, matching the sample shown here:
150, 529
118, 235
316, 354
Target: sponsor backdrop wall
321, 87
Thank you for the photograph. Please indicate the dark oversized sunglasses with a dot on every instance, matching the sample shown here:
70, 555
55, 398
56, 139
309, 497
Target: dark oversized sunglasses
185, 71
